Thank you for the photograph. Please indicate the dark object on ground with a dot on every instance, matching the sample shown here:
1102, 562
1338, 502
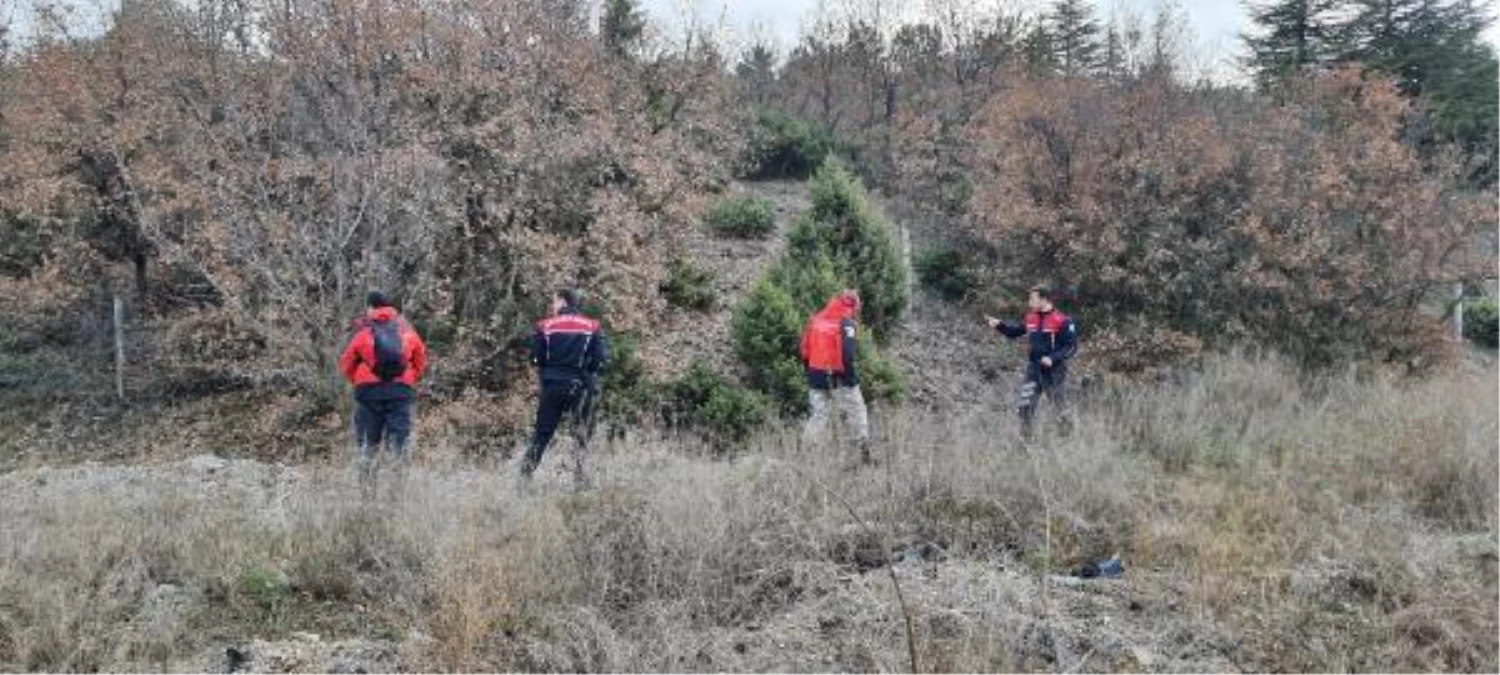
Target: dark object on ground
1111, 568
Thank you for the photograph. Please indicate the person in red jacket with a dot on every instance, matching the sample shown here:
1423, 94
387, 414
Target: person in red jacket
384, 361
829, 347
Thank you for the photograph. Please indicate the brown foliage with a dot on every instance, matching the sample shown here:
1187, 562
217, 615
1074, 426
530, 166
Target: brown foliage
1304, 225
287, 156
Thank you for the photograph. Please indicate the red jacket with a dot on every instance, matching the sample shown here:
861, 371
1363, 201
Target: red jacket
359, 357
828, 346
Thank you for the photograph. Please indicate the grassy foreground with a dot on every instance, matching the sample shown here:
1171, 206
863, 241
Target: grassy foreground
1265, 523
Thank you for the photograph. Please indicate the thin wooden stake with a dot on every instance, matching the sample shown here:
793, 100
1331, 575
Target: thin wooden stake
1458, 312
119, 348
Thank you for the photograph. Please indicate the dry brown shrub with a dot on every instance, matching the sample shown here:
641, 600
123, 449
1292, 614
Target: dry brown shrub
1304, 224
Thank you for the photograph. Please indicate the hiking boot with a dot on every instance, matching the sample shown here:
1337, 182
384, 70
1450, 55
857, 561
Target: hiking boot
530, 461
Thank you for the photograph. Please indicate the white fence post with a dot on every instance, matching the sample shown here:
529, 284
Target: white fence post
119, 348
1456, 317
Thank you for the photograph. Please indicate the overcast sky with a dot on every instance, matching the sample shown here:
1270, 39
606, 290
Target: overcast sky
1215, 21
1215, 24
1213, 42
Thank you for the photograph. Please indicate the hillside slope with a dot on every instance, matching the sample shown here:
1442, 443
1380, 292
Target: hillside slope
685, 336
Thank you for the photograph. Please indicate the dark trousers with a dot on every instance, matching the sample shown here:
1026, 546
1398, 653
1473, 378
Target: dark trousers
381, 420
558, 398
1050, 382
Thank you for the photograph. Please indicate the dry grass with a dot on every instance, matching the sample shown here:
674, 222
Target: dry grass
1345, 525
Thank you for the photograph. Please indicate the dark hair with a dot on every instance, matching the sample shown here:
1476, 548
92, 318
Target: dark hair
377, 299
1042, 291
568, 296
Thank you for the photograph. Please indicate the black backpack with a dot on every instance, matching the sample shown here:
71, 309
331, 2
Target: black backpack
390, 357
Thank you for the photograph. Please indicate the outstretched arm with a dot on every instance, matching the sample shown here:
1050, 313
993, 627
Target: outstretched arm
1009, 330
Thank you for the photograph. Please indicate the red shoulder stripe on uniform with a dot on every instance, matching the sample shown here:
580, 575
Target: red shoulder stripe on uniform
568, 325
568, 322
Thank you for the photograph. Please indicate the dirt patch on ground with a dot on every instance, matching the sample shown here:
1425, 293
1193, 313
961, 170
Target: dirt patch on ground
952, 360
685, 336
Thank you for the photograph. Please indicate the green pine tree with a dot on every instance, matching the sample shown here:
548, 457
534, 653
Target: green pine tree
1290, 35
622, 27
1436, 51
1075, 36
1112, 61
1037, 51
756, 72
1165, 48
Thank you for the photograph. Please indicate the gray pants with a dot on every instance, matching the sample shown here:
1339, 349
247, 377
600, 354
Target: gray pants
851, 408
1051, 383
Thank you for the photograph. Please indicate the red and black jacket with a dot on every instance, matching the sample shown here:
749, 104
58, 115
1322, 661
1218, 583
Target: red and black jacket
358, 361
1049, 334
569, 347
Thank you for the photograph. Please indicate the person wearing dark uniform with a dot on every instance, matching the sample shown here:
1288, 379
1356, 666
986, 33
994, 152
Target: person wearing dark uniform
569, 351
1052, 340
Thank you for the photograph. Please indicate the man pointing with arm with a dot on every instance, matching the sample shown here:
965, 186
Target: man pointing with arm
1052, 340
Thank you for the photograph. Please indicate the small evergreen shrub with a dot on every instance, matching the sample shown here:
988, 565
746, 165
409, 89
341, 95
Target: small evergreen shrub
879, 377
783, 146
689, 286
745, 216
841, 242
947, 273
1480, 323
705, 401
844, 225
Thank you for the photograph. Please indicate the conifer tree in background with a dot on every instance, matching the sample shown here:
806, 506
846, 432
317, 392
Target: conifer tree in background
1434, 48
757, 74
1074, 33
1167, 31
1436, 52
1291, 35
1112, 61
622, 27
1037, 53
